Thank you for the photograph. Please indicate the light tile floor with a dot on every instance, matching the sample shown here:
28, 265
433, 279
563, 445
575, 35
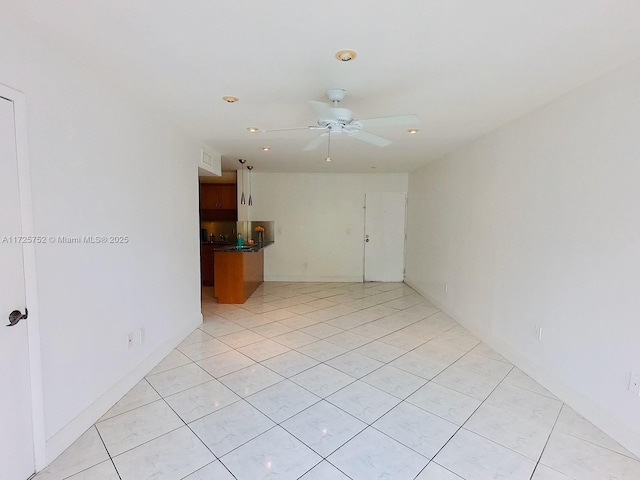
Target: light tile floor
326, 381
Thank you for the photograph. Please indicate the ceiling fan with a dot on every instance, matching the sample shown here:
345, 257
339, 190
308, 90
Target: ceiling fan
333, 119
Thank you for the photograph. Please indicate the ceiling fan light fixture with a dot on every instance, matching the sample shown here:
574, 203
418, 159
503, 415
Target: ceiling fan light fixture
253, 129
230, 99
346, 55
413, 131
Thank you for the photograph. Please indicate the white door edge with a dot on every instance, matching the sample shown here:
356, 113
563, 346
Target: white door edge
29, 259
364, 231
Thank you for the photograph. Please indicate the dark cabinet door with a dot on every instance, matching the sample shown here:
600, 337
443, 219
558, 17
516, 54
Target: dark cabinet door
209, 197
218, 202
227, 197
206, 265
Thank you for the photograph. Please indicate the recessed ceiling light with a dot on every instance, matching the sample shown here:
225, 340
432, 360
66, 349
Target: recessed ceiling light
253, 129
230, 99
412, 130
346, 55
265, 149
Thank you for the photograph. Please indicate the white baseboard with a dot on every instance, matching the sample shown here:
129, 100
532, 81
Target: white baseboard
59, 442
581, 404
314, 278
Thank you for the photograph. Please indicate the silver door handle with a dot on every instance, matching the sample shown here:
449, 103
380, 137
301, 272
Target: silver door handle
16, 316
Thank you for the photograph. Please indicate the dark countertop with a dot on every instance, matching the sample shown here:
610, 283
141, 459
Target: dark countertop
227, 247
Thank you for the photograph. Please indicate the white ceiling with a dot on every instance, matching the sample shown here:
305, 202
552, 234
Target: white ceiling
465, 67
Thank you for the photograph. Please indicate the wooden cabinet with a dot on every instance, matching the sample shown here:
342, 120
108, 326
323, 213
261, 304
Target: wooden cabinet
220, 196
238, 275
218, 202
228, 197
206, 264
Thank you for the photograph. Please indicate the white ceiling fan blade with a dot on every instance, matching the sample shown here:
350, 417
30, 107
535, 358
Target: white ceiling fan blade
315, 143
397, 121
370, 138
322, 110
310, 127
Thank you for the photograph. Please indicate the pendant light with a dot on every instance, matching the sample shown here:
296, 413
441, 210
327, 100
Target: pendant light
249, 167
242, 162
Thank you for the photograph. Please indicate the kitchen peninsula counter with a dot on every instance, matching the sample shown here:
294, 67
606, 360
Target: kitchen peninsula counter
227, 247
238, 271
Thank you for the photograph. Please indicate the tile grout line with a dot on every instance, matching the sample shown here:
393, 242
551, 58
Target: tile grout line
108, 452
553, 427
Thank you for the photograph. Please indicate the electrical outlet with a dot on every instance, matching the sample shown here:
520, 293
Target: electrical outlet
129, 340
634, 383
537, 331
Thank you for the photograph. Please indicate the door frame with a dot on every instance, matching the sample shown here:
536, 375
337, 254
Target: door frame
29, 261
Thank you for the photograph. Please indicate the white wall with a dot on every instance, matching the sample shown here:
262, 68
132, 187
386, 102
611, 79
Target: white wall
103, 163
538, 224
319, 222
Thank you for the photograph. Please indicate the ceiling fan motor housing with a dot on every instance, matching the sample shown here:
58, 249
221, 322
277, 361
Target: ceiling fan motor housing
336, 94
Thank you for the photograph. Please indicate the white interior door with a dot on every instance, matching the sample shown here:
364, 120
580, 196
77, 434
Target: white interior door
384, 233
16, 424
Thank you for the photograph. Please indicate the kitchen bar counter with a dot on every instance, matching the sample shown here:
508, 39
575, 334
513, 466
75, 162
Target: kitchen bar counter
229, 247
232, 247
238, 271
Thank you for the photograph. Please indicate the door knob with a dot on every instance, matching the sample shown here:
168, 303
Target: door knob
16, 316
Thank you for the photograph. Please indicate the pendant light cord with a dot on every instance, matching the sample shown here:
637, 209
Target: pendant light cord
242, 162
250, 168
